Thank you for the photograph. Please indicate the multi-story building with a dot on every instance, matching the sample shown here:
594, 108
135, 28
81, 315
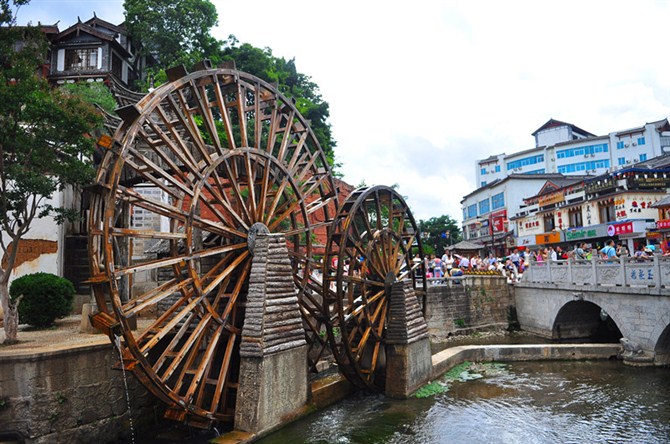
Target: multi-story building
567, 149
486, 211
519, 192
621, 205
93, 51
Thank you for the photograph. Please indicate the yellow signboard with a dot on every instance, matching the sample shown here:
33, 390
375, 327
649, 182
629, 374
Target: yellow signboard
548, 238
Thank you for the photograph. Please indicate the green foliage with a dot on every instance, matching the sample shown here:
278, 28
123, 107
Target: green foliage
173, 31
290, 82
46, 297
44, 134
460, 323
431, 389
437, 233
93, 93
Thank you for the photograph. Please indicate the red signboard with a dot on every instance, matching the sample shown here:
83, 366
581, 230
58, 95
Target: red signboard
617, 229
663, 224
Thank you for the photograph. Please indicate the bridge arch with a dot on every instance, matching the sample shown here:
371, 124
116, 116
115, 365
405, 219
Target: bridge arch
663, 348
580, 319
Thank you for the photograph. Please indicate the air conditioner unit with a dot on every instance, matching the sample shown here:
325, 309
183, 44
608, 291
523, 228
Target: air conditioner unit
636, 160
634, 144
626, 145
593, 154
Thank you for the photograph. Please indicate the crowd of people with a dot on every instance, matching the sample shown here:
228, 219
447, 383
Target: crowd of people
453, 265
513, 265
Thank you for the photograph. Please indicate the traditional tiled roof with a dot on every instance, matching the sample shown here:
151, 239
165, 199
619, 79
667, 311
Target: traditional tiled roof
553, 123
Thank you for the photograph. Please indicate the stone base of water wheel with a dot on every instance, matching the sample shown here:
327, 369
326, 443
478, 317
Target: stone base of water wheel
408, 357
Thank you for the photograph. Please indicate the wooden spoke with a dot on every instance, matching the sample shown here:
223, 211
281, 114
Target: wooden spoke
370, 244
193, 166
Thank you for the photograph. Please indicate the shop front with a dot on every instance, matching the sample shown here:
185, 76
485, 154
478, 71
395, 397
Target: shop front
661, 235
631, 231
591, 234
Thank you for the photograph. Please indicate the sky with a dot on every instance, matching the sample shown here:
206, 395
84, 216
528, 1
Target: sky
419, 91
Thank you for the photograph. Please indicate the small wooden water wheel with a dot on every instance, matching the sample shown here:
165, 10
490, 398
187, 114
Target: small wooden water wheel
216, 156
369, 249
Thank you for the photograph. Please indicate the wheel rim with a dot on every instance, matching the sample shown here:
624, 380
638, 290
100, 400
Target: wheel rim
217, 176
369, 249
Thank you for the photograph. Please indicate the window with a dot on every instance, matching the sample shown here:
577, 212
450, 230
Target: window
497, 168
643, 157
498, 201
81, 59
584, 166
117, 66
549, 222
484, 207
584, 150
606, 211
575, 216
532, 160
640, 141
472, 211
620, 145
483, 183
482, 171
540, 171
465, 214
622, 161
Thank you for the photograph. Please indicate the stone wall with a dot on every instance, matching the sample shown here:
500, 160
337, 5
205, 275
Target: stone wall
71, 396
468, 302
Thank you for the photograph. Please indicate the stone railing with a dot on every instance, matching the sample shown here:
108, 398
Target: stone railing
626, 272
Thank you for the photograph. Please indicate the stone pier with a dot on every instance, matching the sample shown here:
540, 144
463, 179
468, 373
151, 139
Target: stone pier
273, 383
408, 357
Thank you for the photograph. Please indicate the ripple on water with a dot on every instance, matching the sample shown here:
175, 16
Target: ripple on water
560, 402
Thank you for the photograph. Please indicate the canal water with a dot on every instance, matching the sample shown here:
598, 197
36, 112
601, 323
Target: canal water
526, 402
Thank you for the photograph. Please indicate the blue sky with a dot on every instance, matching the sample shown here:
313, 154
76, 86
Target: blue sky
419, 91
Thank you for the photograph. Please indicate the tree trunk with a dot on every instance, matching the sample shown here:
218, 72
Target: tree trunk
10, 313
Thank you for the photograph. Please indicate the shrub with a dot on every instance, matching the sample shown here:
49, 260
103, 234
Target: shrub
46, 297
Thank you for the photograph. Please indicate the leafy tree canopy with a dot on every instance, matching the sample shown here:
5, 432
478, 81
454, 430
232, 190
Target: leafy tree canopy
438, 233
174, 32
94, 93
44, 143
179, 32
293, 84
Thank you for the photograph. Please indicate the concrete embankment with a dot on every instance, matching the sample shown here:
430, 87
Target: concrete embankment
450, 357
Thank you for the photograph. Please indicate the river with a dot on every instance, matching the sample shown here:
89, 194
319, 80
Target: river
522, 402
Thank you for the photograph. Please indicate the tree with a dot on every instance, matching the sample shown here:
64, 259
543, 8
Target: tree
178, 32
172, 31
293, 84
44, 146
438, 233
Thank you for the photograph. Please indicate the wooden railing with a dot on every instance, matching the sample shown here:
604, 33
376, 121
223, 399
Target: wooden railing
649, 272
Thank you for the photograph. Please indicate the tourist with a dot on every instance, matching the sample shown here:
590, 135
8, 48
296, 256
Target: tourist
447, 262
552, 254
437, 267
515, 258
608, 251
622, 250
579, 251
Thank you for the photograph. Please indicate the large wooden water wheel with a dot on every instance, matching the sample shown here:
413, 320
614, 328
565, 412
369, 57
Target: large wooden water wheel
371, 246
216, 156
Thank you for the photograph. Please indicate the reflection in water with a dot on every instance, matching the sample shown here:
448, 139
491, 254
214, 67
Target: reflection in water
533, 402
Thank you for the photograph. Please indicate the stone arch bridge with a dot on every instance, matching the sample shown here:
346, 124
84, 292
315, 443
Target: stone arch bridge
622, 299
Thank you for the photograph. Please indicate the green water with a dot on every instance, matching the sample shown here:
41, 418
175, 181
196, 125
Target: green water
531, 402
